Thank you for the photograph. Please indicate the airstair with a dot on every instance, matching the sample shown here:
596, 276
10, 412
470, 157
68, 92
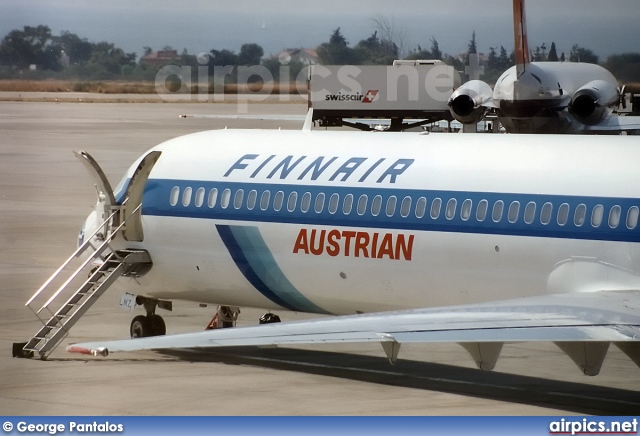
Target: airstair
108, 265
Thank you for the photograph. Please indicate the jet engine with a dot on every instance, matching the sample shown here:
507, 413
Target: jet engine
466, 104
593, 102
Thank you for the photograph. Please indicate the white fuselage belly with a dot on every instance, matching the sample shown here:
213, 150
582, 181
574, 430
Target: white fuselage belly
446, 269
388, 255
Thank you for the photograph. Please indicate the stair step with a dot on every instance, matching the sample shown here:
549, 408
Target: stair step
57, 327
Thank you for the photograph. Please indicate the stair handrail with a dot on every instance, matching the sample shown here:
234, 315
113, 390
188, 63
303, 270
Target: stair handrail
75, 254
100, 249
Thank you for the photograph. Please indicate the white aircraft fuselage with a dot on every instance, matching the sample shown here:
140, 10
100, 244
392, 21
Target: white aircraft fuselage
349, 222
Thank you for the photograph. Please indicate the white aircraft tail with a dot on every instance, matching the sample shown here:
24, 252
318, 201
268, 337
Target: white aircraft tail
520, 36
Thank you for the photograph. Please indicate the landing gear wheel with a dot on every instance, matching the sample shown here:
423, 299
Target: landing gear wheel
158, 328
140, 327
269, 318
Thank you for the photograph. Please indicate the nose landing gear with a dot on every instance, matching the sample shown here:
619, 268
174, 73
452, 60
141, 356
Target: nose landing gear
145, 326
150, 325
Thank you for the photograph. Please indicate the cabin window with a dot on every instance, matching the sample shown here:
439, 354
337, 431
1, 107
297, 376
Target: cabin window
238, 198
333, 203
435, 208
465, 210
251, 199
199, 197
481, 213
186, 196
530, 212
305, 204
614, 217
546, 213
405, 207
293, 200
632, 218
264, 200
362, 204
597, 215
498, 208
213, 197
175, 195
563, 214
514, 211
391, 206
580, 215
421, 207
347, 204
226, 197
376, 205
319, 202
450, 210
278, 201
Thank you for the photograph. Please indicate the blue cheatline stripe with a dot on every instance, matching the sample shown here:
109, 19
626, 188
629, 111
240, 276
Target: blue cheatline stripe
255, 261
237, 207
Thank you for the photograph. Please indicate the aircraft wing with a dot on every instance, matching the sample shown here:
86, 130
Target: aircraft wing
581, 324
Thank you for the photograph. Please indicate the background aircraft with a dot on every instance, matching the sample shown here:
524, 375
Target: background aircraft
544, 97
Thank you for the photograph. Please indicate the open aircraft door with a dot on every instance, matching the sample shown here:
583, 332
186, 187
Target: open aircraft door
132, 231
130, 212
106, 199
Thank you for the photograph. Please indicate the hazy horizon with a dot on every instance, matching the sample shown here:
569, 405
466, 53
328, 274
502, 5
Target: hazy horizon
199, 26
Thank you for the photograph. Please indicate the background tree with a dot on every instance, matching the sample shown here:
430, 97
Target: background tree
536, 56
553, 54
390, 35
503, 60
223, 57
338, 39
581, 54
419, 53
453, 61
273, 64
492, 59
250, 54
107, 61
435, 49
78, 49
472, 44
32, 45
376, 51
625, 67
337, 51
472, 48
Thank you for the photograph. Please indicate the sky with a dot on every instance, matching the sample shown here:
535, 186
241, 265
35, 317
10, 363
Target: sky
606, 27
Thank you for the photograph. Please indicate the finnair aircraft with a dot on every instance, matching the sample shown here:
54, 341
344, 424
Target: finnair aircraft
544, 97
405, 237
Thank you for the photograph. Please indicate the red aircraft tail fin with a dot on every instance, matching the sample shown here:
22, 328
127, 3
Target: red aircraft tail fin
520, 36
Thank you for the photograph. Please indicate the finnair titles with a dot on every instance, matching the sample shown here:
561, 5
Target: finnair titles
269, 166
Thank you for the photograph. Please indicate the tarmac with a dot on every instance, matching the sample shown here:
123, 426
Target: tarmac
45, 195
